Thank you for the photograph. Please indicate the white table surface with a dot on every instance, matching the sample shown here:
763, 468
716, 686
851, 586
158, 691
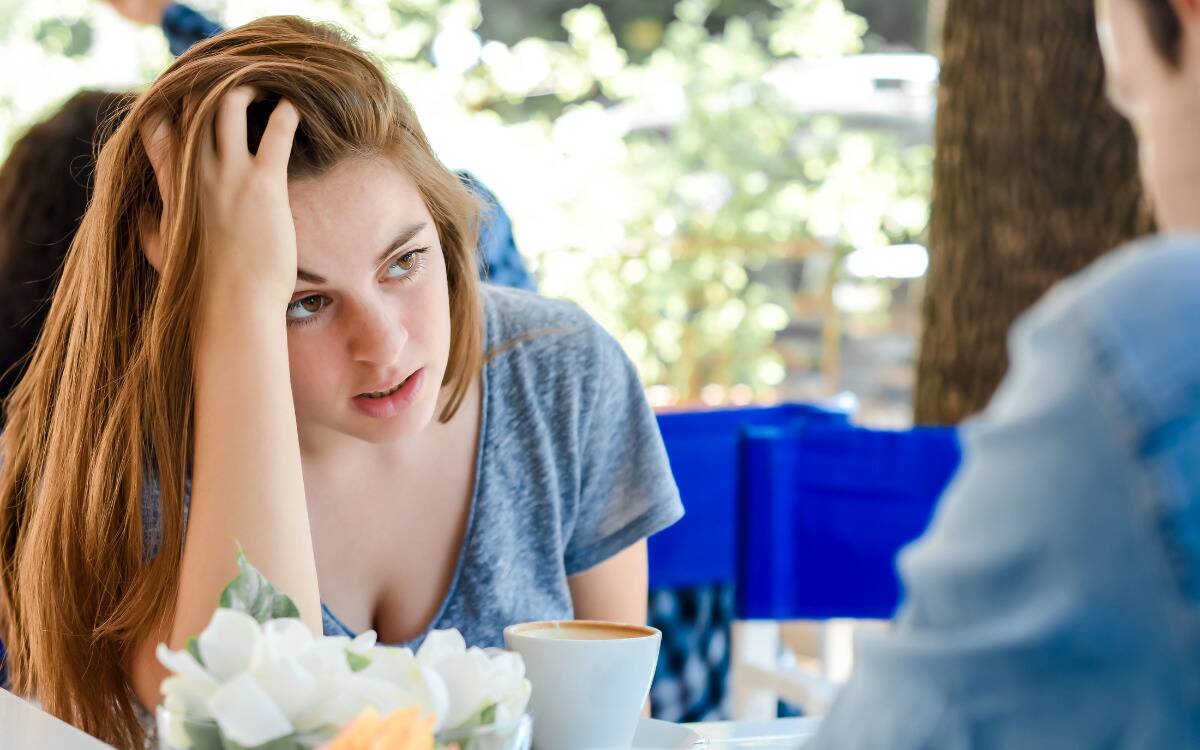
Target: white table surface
23, 726
775, 734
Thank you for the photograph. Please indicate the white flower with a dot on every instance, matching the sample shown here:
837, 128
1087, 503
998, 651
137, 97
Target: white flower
363, 643
179, 662
425, 687
246, 714
230, 644
475, 680
285, 637
512, 690
171, 722
439, 645
265, 682
186, 692
353, 693
466, 681
292, 687
325, 658
190, 692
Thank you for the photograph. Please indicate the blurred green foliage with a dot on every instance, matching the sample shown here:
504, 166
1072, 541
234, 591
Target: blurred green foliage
639, 24
658, 189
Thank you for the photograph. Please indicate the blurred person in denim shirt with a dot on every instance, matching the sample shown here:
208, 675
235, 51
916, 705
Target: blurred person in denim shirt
1053, 602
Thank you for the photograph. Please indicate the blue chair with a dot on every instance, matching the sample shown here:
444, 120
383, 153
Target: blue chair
693, 565
704, 448
823, 513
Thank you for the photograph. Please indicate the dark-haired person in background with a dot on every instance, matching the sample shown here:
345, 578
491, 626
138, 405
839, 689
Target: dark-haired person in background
45, 184
1054, 601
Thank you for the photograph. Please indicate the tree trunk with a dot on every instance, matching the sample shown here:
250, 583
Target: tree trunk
1035, 177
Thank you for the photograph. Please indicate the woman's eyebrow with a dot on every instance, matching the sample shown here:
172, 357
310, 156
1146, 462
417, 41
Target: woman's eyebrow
309, 277
404, 236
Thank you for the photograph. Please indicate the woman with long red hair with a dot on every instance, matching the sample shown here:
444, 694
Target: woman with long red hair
269, 331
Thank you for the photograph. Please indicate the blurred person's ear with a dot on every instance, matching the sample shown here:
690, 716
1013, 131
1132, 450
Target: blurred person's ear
1188, 13
148, 12
159, 144
1187, 9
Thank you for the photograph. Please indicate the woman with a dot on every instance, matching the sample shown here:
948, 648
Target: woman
1053, 602
269, 332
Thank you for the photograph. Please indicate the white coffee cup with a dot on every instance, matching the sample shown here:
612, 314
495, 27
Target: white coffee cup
590, 680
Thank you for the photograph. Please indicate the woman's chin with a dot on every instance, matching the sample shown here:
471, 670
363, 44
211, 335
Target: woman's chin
315, 433
385, 429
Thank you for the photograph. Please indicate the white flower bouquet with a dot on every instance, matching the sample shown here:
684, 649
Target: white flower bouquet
258, 678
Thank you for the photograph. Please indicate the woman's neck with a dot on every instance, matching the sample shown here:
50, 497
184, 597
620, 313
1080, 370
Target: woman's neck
329, 456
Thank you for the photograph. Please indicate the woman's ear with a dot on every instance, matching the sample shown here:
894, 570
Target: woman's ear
159, 144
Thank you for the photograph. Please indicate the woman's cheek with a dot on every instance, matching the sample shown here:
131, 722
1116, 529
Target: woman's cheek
311, 370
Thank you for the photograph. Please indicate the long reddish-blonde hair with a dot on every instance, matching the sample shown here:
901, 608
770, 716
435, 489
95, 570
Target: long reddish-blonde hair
106, 402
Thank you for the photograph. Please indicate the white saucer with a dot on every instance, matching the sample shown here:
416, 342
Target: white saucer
653, 734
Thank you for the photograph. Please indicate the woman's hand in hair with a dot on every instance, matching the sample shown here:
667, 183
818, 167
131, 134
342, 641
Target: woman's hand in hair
249, 234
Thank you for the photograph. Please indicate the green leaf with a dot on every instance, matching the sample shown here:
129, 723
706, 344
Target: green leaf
488, 716
252, 593
357, 662
203, 735
290, 742
193, 648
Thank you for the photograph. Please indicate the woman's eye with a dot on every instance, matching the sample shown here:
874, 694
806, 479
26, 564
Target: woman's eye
403, 265
305, 307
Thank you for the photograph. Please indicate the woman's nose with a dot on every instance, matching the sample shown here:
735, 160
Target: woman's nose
377, 335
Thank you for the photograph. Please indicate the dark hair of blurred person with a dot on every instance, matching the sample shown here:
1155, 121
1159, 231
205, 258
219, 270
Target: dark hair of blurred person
45, 185
1165, 28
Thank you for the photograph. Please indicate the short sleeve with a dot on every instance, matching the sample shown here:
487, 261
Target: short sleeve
627, 492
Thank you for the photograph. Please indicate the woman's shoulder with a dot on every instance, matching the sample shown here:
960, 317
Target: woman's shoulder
528, 325
550, 363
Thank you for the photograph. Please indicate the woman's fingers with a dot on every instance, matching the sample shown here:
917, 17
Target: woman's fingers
231, 126
276, 145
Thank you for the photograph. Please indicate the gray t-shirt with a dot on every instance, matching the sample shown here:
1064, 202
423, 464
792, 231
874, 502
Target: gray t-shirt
571, 468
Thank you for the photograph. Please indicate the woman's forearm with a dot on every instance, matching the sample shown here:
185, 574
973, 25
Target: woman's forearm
247, 484
615, 590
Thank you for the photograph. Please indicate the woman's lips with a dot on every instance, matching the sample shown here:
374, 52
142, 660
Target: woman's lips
392, 404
